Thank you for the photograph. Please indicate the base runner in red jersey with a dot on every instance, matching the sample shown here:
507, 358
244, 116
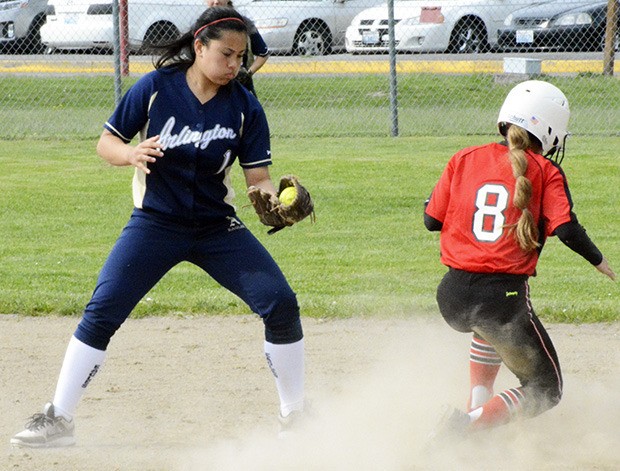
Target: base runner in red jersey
495, 205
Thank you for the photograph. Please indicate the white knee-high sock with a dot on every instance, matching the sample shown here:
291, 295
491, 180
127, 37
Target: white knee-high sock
287, 365
79, 367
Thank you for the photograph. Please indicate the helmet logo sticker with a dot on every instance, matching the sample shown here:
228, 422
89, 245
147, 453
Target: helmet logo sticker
516, 120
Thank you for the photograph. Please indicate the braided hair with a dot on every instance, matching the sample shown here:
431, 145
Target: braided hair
525, 230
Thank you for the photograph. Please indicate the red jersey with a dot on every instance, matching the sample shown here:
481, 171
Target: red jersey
473, 200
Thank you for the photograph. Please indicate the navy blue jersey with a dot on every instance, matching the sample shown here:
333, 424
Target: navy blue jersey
191, 182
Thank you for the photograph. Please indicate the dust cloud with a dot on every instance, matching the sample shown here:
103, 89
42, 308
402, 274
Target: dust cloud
195, 394
380, 417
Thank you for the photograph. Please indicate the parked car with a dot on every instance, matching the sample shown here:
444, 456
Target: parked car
20, 22
458, 26
307, 27
559, 25
80, 24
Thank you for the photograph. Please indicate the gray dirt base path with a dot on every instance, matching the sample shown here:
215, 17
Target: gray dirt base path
194, 394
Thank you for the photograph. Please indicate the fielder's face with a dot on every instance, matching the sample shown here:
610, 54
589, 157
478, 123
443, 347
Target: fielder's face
218, 3
219, 60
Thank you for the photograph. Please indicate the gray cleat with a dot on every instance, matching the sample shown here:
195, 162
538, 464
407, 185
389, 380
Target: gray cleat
46, 430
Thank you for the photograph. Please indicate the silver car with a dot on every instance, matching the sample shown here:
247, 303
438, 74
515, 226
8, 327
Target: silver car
457, 26
20, 24
305, 27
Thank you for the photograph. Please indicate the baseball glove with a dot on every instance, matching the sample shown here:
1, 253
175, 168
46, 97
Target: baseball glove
272, 212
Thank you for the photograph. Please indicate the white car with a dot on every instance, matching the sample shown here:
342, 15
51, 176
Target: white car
80, 24
307, 27
459, 26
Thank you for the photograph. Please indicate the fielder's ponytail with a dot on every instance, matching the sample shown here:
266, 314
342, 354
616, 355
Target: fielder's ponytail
525, 230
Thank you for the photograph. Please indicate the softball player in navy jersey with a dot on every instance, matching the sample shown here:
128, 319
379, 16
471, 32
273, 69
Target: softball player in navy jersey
495, 205
194, 121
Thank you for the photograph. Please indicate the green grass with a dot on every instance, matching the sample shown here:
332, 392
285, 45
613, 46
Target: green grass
75, 107
368, 253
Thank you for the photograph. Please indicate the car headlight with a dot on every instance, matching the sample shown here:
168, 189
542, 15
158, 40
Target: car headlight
12, 5
268, 23
572, 19
508, 20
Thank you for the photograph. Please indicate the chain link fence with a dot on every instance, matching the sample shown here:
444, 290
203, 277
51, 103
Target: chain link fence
338, 68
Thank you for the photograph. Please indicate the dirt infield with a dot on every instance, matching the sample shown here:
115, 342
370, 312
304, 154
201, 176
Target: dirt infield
188, 394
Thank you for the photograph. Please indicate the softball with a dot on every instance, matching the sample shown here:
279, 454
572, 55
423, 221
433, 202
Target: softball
288, 195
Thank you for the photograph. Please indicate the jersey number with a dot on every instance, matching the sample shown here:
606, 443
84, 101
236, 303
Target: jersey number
489, 219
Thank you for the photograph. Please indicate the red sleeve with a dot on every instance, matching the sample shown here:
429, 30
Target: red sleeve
556, 202
440, 198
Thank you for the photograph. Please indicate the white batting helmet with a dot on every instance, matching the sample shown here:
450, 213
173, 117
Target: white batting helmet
541, 109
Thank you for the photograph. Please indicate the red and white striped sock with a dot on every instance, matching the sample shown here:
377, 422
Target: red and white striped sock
499, 410
484, 364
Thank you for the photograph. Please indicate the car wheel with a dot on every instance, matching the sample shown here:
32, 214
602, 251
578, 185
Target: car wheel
312, 39
32, 42
469, 36
159, 33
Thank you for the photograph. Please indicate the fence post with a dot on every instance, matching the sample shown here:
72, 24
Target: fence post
123, 16
117, 52
393, 82
611, 32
